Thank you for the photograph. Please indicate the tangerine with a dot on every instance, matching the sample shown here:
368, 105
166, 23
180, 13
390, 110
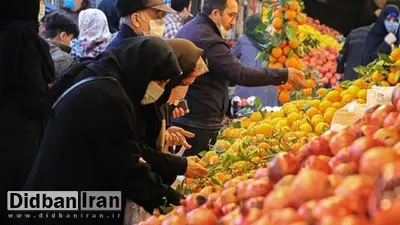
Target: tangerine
395, 55
333, 96
276, 52
307, 92
284, 96
392, 78
294, 43
324, 105
328, 116
277, 23
362, 94
311, 112
272, 59
283, 44
301, 18
309, 83
290, 14
282, 59
292, 117
322, 92
256, 117
278, 14
293, 5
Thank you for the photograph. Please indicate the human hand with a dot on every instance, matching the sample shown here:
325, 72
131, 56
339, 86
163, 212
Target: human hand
194, 170
177, 136
296, 78
178, 112
390, 38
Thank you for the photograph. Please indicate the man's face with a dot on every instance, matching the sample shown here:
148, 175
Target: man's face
142, 18
65, 38
229, 15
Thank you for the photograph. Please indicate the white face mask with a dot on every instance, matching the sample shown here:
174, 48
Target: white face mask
222, 29
153, 93
157, 28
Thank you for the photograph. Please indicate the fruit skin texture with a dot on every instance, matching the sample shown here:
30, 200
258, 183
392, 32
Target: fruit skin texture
279, 198
379, 114
387, 136
319, 146
201, 216
285, 216
335, 206
309, 185
343, 156
390, 119
316, 163
343, 139
374, 159
360, 146
305, 211
283, 164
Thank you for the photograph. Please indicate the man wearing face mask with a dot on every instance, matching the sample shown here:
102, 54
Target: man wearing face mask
174, 22
208, 95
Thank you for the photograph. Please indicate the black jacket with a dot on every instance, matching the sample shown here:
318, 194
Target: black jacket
208, 96
108, 7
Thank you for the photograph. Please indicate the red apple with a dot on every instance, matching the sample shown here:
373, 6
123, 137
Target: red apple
316, 163
283, 164
379, 115
374, 159
341, 140
387, 136
360, 146
390, 119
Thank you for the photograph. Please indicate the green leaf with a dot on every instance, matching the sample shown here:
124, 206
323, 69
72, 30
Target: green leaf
260, 55
282, 2
236, 124
269, 14
361, 69
276, 41
202, 154
290, 53
397, 76
290, 33
215, 181
385, 58
258, 104
379, 68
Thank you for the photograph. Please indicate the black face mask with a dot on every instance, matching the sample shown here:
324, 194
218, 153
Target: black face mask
175, 81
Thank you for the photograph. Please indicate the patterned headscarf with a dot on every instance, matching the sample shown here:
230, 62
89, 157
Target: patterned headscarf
93, 25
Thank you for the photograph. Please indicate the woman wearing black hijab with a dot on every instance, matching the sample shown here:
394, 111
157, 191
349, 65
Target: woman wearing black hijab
92, 138
26, 69
382, 35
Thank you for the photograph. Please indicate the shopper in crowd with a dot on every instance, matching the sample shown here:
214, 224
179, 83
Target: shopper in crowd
372, 9
246, 49
208, 110
175, 21
26, 69
60, 29
352, 52
94, 34
74, 7
382, 37
108, 7
93, 139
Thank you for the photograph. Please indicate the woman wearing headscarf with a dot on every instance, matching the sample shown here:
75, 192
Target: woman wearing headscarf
92, 141
382, 36
74, 7
26, 69
246, 49
94, 34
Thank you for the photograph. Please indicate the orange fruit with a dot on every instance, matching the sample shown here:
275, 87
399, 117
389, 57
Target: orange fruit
294, 25
293, 5
209, 155
291, 63
278, 14
333, 96
360, 83
295, 56
294, 43
324, 105
337, 105
307, 92
301, 18
256, 117
277, 65
392, 79
312, 111
283, 44
264, 129
276, 52
322, 92
284, 96
377, 76
395, 55
290, 14
328, 116
347, 99
282, 59
286, 50
272, 59
277, 23
309, 83
384, 83
287, 86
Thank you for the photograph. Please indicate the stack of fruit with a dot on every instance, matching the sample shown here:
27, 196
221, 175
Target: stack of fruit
324, 39
350, 177
323, 60
384, 71
323, 29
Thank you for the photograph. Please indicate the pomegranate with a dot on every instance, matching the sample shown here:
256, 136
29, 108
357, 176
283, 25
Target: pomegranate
328, 135
341, 157
387, 136
369, 130
335, 180
178, 219
345, 169
285, 181
316, 163
201, 216
232, 183
285, 216
193, 201
388, 213
279, 198
341, 140
305, 211
379, 115
256, 202
396, 94
248, 216
309, 185
355, 185
260, 187
261, 173
302, 153
228, 208
374, 159
390, 119
360, 146
228, 196
283, 164
319, 146
335, 206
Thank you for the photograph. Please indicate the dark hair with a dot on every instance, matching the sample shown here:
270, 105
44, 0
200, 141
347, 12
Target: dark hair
58, 22
179, 5
210, 5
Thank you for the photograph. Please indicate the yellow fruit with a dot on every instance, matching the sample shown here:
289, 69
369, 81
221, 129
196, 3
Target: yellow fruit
343, 93
324, 105
328, 116
281, 123
361, 101
209, 155
306, 127
395, 54
293, 5
245, 122
294, 43
278, 114
277, 23
278, 13
347, 99
290, 15
360, 83
321, 128
362, 94
322, 92
316, 119
292, 117
315, 103
292, 110
337, 105
264, 129
256, 117
353, 89
331, 109
377, 76
384, 83
392, 78
312, 111
296, 125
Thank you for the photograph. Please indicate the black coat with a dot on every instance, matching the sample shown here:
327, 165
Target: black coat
108, 7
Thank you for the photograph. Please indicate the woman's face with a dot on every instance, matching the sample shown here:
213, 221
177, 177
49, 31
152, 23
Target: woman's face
393, 19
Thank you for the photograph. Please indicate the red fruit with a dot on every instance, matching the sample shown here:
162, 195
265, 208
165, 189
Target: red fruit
201, 216
228, 208
285, 181
256, 202
355, 185
178, 219
319, 146
360, 146
228, 196
261, 173
335, 180
341, 157
309, 184
302, 154
389, 214
389, 178
379, 115
396, 147
396, 94
283, 164
396, 124
193, 201
387, 136
369, 130
305, 211
262, 220
348, 220
285, 216
232, 183
249, 216
341, 140
257, 188
279, 198
335, 206
390, 119
328, 135
316, 163
345, 169
374, 159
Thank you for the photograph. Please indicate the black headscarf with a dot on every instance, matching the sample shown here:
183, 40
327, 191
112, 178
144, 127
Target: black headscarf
376, 36
256, 38
135, 62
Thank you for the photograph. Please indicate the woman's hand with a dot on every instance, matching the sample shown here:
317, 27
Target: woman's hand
194, 169
177, 136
